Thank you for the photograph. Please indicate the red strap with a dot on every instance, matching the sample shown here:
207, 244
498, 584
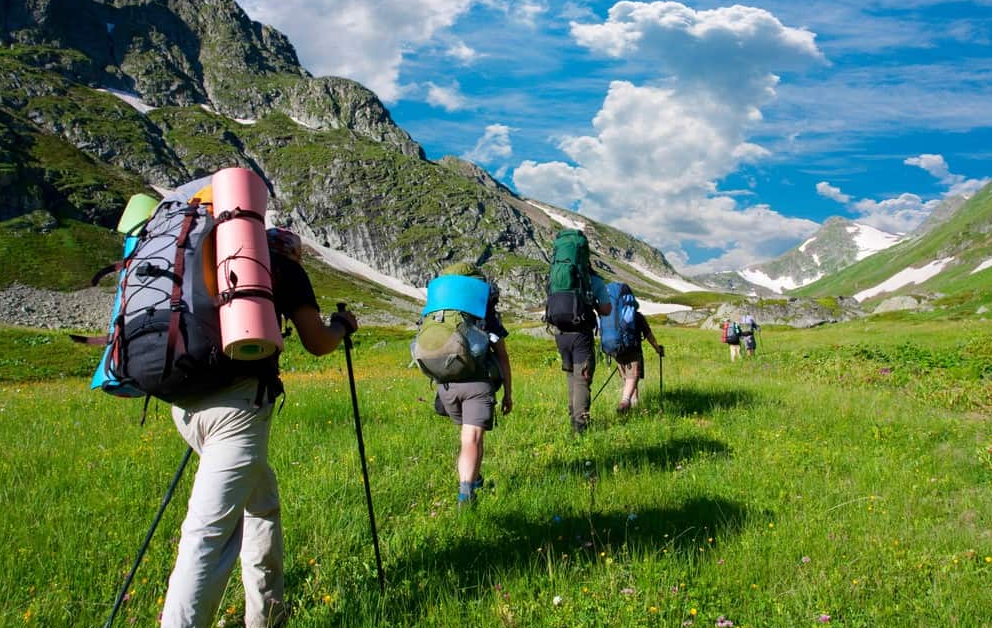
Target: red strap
175, 338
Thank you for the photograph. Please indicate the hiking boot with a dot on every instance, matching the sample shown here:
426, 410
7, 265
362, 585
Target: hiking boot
479, 483
466, 502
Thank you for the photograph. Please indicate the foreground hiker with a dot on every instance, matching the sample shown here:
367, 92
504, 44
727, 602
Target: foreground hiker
234, 506
460, 346
575, 296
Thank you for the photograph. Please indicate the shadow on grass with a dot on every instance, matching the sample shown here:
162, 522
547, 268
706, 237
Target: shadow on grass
513, 542
665, 456
686, 401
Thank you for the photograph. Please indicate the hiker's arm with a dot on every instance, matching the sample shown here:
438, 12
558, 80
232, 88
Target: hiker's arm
504, 368
318, 338
649, 336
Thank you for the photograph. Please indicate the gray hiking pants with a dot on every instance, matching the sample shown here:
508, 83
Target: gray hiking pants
578, 359
233, 509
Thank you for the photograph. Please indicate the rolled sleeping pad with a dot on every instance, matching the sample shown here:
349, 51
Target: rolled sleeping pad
249, 326
457, 292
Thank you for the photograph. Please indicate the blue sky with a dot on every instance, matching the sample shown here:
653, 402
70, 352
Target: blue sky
722, 134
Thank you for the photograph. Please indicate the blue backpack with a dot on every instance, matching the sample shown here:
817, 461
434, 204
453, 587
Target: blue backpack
618, 331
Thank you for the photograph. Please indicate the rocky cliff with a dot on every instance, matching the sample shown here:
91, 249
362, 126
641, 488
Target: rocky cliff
102, 99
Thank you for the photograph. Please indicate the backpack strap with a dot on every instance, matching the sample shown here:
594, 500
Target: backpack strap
176, 301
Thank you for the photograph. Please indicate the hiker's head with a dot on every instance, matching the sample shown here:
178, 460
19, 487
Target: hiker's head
285, 243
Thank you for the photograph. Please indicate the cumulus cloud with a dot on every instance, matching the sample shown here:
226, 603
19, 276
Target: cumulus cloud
448, 98
828, 191
362, 40
658, 149
493, 145
958, 185
901, 214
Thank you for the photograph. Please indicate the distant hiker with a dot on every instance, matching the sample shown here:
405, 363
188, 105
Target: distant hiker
575, 295
731, 335
460, 345
234, 505
748, 333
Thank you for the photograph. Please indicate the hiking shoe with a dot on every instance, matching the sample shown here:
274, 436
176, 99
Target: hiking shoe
466, 502
479, 483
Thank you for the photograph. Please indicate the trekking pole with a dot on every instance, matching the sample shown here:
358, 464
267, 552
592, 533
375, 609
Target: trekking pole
615, 369
661, 370
361, 453
148, 537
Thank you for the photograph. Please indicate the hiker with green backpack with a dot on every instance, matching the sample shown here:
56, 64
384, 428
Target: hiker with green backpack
575, 296
460, 346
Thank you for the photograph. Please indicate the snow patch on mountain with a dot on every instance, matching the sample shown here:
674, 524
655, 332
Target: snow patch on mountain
986, 264
650, 307
905, 277
870, 240
564, 221
778, 284
130, 98
339, 261
674, 283
802, 247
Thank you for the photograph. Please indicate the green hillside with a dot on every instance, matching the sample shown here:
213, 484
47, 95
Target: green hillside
966, 237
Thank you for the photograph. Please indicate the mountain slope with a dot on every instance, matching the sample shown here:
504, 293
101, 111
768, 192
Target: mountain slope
837, 244
953, 258
206, 88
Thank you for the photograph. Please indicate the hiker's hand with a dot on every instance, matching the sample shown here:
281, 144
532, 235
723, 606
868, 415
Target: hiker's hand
507, 403
347, 320
660, 350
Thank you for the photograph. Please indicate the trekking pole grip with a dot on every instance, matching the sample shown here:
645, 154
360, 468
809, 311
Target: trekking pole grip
342, 307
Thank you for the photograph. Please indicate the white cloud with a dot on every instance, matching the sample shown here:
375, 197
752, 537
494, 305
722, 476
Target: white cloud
658, 149
362, 40
494, 144
448, 98
958, 185
828, 191
901, 214
462, 52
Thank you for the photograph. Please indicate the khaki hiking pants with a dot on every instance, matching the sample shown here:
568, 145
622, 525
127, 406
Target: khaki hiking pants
233, 509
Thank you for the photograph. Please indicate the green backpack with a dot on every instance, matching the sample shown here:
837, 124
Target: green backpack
569, 304
451, 344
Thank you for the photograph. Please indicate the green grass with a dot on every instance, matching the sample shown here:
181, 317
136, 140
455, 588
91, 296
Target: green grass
844, 471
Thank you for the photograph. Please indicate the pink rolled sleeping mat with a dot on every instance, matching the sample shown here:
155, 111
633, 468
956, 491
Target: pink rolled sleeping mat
249, 327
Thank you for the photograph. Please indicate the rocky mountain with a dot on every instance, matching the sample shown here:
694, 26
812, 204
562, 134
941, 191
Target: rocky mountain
948, 266
837, 244
100, 99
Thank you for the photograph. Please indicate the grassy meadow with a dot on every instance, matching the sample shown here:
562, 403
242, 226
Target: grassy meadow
841, 477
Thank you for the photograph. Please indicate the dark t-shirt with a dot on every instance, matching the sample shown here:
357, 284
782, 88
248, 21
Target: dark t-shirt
291, 287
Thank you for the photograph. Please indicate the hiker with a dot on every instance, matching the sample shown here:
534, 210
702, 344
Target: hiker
731, 335
749, 332
234, 505
575, 296
631, 363
468, 397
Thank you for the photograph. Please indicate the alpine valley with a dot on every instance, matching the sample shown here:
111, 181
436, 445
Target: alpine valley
100, 100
